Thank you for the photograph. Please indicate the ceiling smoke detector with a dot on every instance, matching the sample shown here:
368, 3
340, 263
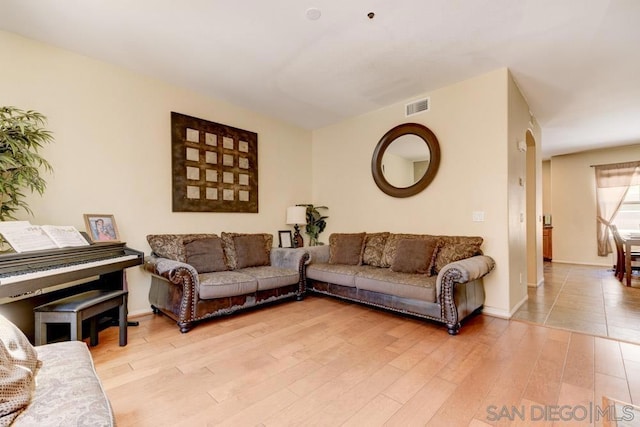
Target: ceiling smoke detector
313, 13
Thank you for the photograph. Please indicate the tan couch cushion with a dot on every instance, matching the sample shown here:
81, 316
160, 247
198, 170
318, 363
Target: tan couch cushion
205, 255
415, 256
269, 277
403, 285
340, 274
373, 248
346, 248
226, 284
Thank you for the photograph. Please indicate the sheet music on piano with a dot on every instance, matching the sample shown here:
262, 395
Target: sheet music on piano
25, 237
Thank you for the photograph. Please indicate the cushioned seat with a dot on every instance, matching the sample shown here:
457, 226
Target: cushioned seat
68, 391
49, 385
272, 277
225, 284
340, 274
405, 285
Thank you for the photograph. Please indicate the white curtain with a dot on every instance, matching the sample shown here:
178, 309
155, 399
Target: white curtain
612, 184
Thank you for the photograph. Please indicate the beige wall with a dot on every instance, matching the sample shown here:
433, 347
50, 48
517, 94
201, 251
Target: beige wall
470, 122
573, 203
112, 155
525, 254
546, 188
112, 150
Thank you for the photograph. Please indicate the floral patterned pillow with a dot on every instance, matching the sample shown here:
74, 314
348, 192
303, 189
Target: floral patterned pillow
455, 252
373, 248
171, 246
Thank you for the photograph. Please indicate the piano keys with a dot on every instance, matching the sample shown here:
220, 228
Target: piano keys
29, 279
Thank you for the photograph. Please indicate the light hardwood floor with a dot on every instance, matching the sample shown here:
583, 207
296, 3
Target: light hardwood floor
326, 362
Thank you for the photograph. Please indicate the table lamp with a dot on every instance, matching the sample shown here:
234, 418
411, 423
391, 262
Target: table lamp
297, 215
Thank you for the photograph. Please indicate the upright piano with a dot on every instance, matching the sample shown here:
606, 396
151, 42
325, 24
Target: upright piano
29, 279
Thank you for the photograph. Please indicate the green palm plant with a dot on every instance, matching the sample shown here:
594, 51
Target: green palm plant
315, 223
22, 134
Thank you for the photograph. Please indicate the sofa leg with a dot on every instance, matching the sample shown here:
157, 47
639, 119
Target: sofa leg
453, 329
184, 327
299, 297
155, 309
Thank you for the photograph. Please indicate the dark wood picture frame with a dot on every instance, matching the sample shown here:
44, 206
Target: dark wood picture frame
214, 166
285, 239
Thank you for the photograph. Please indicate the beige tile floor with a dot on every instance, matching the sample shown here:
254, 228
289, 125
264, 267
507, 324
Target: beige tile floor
585, 299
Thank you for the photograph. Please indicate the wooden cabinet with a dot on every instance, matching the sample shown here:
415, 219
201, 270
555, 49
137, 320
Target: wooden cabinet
547, 253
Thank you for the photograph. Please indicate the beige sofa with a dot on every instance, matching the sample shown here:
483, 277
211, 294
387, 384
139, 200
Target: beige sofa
432, 277
200, 276
49, 385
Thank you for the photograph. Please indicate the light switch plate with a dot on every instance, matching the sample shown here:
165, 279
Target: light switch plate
477, 216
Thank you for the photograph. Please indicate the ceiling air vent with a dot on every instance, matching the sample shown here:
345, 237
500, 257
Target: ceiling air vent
416, 107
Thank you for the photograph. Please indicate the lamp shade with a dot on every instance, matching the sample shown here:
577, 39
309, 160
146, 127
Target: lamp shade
296, 215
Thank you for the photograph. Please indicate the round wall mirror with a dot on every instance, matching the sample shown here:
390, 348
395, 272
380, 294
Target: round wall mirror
405, 160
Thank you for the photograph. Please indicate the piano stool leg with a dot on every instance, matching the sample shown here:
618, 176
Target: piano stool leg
75, 325
123, 320
40, 331
93, 331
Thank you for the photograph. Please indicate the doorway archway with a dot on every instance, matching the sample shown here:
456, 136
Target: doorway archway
534, 220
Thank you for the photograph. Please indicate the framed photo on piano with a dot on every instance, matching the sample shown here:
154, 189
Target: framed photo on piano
101, 228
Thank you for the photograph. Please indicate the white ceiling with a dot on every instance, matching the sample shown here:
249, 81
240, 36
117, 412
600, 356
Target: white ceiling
576, 61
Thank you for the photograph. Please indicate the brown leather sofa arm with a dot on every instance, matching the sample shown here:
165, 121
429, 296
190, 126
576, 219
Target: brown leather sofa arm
459, 287
173, 271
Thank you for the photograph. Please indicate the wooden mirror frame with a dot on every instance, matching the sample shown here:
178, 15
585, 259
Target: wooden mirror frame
376, 161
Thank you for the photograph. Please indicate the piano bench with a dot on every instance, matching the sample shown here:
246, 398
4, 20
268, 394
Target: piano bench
76, 308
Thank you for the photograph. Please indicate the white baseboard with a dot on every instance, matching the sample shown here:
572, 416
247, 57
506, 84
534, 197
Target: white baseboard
503, 314
559, 261
493, 312
140, 312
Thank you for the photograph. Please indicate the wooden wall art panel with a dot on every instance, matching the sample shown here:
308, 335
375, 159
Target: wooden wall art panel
215, 166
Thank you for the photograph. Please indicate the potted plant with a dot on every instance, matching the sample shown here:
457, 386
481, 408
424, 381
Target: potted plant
315, 223
22, 134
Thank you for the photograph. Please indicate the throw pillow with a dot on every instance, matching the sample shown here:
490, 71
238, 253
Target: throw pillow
373, 247
250, 251
205, 255
230, 250
346, 248
452, 253
171, 246
415, 256
390, 248
18, 366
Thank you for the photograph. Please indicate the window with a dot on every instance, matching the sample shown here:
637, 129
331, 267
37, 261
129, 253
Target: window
628, 217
